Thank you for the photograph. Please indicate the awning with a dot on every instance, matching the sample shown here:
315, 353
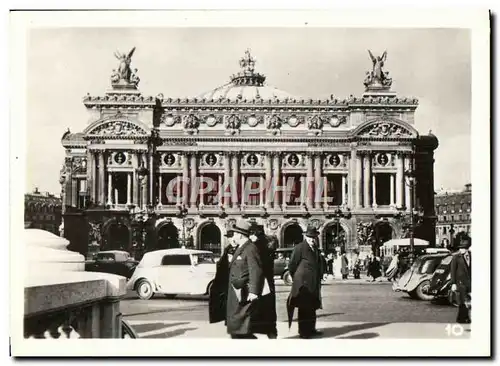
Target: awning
406, 242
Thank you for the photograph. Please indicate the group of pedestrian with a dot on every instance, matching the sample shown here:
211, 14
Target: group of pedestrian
243, 293
335, 265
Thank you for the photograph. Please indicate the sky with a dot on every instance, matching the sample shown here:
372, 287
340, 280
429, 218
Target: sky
433, 65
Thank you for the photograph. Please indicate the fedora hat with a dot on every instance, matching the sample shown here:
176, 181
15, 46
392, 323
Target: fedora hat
462, 240
242, 227
311, 232
229, 233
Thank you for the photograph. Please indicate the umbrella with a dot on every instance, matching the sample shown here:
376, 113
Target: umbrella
290, 310
406, 242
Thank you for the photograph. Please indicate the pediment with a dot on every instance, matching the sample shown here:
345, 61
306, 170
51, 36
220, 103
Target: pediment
386, 128
116, 128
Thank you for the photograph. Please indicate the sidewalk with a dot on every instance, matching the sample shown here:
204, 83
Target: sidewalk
364, 280
338, 330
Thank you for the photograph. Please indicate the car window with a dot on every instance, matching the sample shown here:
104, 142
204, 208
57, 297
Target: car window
447, 260
105, 257
203, 258
176, 260
430, 266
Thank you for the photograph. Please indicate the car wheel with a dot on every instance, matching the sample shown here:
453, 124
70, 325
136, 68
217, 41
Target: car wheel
287, 278
421, 291
145, 290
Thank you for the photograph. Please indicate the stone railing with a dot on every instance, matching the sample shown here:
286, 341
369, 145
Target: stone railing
61, 300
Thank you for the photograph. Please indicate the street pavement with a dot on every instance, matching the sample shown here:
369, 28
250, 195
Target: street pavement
352, 309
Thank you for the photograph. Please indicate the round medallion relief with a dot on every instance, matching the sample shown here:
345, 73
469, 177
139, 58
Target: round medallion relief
211, 120
293, 160
252, 121
382, 159
169, 159
293, 121
334, 160
120, 158
211, 159
169, 120
335, 121
252, 160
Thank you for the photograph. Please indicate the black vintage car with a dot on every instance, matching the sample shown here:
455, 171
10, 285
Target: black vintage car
113, 261
281, 258
440, 286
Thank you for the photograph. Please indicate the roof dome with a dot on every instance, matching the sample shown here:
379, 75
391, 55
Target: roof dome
246, 85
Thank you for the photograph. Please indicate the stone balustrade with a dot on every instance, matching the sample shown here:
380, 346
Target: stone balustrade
61, 300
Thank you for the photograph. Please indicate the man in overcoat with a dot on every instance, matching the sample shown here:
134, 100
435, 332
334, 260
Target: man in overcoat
306, 271
246, 282
218, 290
265, 310
460, 269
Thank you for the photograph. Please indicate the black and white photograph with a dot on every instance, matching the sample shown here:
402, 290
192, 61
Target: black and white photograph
290, 177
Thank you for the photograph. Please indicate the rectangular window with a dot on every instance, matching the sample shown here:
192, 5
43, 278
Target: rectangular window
383, 189
211, 183
334, 189
176, 260
293, 185
253, 188
119, 184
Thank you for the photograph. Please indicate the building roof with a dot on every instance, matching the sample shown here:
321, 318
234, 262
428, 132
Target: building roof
247, 85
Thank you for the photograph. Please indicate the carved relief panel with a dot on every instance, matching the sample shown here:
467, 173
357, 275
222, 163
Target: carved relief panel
336, 161
170, 161
211, 161
293, 161
252, 161
79, 165
120, 159
383, 160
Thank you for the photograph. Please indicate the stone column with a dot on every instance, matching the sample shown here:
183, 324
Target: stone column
374, 191
366, 179
179, 187
392, 190
359, 202
234, 186
151, 179
268, 181
276, 181
202, 201
129, 188
261, 193
219, 189
242, 191
110, 189
160, 187
227, 178
74, 192
101, 186
399, 180
407, 188
344, 196
194, 193
144, 183
185, 178
309, 188
317, 181
90, 174
135, 183
284, 185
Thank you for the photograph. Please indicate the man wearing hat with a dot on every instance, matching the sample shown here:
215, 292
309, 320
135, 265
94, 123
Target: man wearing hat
246, 282
306, 271
460, 268
218, 290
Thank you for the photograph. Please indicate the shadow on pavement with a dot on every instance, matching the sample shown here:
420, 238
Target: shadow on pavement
141, 328
336, 331
362, 336
174, 333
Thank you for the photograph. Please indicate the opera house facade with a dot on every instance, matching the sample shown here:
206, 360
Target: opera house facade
154, 172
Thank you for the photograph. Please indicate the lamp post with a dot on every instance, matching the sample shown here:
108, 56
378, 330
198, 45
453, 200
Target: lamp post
411, 182
338, 214
452, 231
182, 213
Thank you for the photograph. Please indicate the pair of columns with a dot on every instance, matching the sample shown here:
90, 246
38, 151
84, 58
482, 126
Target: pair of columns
366, 182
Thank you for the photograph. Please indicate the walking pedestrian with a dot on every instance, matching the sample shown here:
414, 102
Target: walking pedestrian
218, 291
344, 265
246, 283
461, 276
374, 267
264, 316
306, 271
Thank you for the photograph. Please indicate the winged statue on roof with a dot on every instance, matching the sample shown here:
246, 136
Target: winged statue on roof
378, 75
124, 71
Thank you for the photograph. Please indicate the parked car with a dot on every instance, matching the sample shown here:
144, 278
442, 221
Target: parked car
173, 272
116, 262
281, 258
440, 287
416, 280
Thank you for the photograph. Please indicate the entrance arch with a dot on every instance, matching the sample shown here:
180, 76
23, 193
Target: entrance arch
210, 238
382, 232
117, 237
333, 236
168, 236
292, 235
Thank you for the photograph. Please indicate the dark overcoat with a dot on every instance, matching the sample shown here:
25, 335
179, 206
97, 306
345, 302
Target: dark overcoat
218, 291
374, 268
306, 270
247, 275
344, 268
461, 276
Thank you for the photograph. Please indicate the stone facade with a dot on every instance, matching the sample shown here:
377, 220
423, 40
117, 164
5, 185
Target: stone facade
453, 211
42, 211
141, 163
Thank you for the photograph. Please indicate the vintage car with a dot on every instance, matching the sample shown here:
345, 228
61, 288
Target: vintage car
281, 258
416, 280
116, 262
173, 272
